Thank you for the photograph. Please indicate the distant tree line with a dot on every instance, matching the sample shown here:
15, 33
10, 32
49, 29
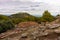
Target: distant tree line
21, 17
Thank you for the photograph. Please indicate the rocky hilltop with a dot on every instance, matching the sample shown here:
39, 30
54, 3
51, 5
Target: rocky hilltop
33, 31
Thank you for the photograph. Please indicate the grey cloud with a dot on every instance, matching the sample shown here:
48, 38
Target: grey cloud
32, 7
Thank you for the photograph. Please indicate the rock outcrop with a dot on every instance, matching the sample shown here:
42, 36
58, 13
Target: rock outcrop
33, 32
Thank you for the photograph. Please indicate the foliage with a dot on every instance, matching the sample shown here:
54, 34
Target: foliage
22, 17
8, 22
5, 23
47, 17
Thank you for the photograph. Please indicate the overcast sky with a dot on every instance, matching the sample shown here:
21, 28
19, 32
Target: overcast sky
54, 2
33, 6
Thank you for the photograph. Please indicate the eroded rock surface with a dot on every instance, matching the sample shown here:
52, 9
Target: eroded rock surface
33, 32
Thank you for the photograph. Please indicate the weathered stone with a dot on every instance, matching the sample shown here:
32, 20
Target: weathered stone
33, 32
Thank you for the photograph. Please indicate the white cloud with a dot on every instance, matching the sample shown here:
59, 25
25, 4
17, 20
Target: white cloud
27, 0
52, 2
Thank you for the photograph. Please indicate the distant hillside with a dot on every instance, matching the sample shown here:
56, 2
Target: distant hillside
3, 17
21, 17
